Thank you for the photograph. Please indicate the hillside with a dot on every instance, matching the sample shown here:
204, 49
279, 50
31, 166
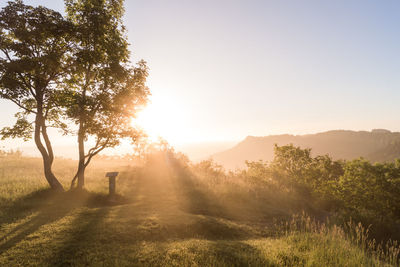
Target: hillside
377, 145
165, 215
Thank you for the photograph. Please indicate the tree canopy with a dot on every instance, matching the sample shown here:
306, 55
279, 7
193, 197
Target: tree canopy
104, 89
72, 70
34, 44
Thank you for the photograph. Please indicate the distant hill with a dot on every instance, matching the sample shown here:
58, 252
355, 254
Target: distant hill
202, 150
377, 145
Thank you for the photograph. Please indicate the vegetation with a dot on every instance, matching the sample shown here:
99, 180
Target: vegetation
75, 72
376, 146
70, 70
103, 90
34, 42
358, 189
171, 212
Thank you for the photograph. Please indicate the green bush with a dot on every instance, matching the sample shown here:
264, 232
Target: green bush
359, 189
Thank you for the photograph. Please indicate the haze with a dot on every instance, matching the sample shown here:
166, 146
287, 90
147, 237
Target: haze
223, 70
286, 113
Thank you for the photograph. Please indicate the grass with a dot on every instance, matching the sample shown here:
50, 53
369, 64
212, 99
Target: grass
165, 216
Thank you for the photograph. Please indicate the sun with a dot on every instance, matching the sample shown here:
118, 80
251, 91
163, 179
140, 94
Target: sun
162, 118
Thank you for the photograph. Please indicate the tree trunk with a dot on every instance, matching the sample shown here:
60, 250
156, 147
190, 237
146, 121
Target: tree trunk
81, 163
81, 135
47, 160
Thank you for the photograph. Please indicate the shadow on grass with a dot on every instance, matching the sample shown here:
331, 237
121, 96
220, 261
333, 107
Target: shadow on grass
87, 233
26, 205
44, 207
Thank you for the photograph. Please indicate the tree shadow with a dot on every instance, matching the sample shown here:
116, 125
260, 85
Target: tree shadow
20, 232
209, 228
86, 233
26, 205
169, 204
44, 207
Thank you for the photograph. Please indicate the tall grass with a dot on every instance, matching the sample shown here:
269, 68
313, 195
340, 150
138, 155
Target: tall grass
177, 214
349, 245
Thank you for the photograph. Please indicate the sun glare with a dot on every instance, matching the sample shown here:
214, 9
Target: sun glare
162, 118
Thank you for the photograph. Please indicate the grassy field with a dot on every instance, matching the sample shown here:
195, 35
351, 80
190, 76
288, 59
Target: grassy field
164, 215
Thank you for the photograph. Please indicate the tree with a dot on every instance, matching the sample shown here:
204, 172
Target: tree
34, 45
372, 190
291, 165
104, 90
296, 169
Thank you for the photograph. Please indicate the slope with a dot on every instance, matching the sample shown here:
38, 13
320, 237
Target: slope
377, 145
163, 217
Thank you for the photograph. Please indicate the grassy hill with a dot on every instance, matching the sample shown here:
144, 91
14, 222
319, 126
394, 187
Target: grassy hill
377, 145
167, 213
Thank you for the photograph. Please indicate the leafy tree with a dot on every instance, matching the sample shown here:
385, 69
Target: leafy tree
367, 192
295, 170
260, 172
371, 190
34, 45
104, 90
291, 166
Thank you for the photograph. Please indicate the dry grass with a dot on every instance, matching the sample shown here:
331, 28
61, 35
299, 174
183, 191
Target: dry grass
167, 215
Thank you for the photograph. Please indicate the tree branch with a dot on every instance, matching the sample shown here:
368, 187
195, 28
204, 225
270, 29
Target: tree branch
97, 145
95, 152
21, 106
27, 86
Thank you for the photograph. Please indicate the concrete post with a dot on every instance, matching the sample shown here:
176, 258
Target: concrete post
112, 184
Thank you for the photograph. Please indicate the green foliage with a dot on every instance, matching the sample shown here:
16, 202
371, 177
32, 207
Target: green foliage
35, 45
295, 170
172, 216
21, 129
34, 42
259, 172
70, 69
332, 245
358, 188
210, 170
375, 145
372, 190
103, 91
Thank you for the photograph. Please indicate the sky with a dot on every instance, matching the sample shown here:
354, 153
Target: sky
223, 70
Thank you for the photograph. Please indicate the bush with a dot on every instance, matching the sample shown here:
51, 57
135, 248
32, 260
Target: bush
359, 189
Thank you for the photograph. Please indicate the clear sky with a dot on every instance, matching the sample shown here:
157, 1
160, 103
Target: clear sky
222, 70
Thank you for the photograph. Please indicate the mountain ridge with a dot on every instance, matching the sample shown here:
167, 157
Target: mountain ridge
375, 145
